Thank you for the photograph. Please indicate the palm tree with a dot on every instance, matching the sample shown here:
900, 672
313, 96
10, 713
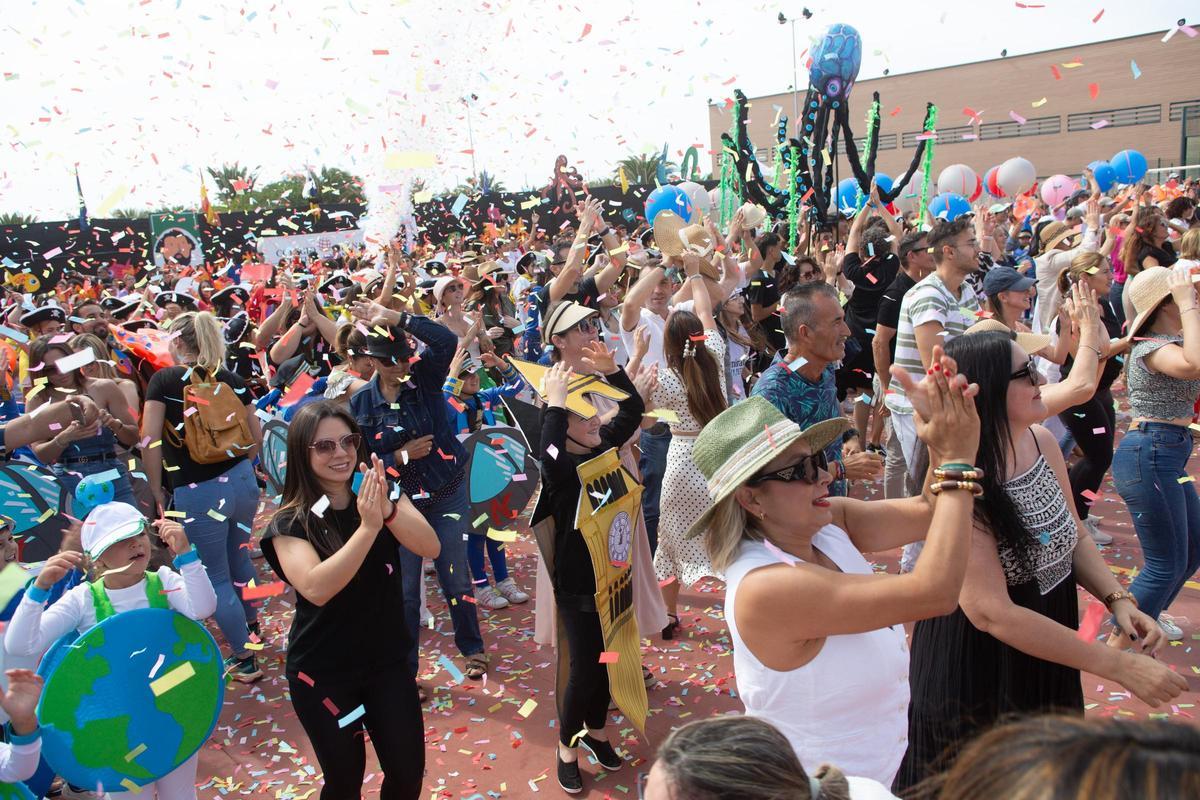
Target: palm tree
488, 184
129, 213
17, 218
338, 185
235, 184
641, 169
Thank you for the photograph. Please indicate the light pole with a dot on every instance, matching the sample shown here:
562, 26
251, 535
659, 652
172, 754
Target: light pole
795, 87
466, 101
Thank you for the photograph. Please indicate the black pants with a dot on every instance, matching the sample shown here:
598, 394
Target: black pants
392, 719
585, 698
1083, 421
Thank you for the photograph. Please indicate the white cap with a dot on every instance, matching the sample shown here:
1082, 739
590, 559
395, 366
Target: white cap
108, 524
439, 286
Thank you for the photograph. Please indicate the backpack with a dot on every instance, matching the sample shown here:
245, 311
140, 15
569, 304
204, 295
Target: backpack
215, 426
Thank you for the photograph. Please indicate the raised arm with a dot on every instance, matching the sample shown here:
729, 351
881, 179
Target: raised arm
639, 293
562, 283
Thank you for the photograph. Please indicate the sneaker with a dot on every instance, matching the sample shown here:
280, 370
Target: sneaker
569, 777
1174, 632
243, 670
426, 618
429, 567
603, 752
69, 792
508, 588
1098, 536
487, 597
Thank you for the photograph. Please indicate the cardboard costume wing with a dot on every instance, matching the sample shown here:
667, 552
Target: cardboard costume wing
274, 453
34, 499
576, 389
502, 474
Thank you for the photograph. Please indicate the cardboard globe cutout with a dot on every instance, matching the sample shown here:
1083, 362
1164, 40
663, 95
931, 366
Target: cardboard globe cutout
34, 501
502, 474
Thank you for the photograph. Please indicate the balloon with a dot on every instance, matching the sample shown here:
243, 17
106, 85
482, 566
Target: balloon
949, 206
697, 195
1129, 166
906, 202
668, 198
1016, 176
1104, 174
989, 183
714, 198
835, 62
90, 493
958, 179
847, 196
1058, 188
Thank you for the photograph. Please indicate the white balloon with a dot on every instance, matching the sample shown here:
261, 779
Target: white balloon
907, 201
1016, 176
699, 197
957, 179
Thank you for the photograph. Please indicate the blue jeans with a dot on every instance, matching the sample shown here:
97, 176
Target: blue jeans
1114, 299
70, 475
495, 554
449, 519
653, 465
1166, 513
220, 542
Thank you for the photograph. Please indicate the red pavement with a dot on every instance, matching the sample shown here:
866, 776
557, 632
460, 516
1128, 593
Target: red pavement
479, 746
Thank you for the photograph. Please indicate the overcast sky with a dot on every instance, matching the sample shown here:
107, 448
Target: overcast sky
143, 93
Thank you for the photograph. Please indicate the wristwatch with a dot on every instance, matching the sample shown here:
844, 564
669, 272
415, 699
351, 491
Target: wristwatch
1120, 594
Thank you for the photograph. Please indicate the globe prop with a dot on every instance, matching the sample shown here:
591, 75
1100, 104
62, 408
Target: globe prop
949, 207
130, 700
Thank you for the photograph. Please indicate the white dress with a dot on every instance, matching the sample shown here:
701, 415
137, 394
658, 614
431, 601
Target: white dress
684, 494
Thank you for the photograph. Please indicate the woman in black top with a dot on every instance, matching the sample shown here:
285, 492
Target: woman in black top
568, 441
346, 658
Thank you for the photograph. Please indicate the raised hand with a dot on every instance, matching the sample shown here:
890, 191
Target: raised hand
599, 358
56, 568
418, 448
944, 408
371, 494
646, 381
21, 700
172, 534
555, 383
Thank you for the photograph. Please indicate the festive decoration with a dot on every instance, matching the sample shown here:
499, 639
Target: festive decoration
697, 195
927, 164
579, 385
35, 500
91, 491
502, 474
690, 168
563, 185
1016, 176
274, 454
949, 206
1104, 174
989, 183
1057, 188
1129, 166
669, 198
910, 194
958, 179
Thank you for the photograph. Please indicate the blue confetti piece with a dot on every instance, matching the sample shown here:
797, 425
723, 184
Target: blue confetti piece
351, 717
445, 663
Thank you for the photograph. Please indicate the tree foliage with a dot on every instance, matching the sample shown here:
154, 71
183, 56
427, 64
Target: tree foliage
641, 169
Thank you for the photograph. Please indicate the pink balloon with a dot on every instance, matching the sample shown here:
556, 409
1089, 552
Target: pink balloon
1058, 188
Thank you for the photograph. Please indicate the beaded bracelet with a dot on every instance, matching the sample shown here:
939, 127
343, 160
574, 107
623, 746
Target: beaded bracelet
971, 486
958, 472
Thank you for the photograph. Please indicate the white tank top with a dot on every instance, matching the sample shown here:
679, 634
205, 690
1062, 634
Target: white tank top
849, 705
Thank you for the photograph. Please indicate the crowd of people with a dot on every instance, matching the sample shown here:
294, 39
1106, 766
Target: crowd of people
978, 368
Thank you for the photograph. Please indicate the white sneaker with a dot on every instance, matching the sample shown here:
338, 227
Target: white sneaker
508, 588
1098, 536
488, 597
1174, 632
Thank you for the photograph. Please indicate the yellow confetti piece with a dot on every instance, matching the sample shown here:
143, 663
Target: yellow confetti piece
172, 679
130, 786
175, 514
135, 752
254, 646
410, 159
111, 201
1038, 103
665, 414
1186, 479
47, 514
501, 536
217, 515
531, 203
527, 708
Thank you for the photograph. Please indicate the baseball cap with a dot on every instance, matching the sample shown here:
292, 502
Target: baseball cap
1005, 279
996, 208
107, 524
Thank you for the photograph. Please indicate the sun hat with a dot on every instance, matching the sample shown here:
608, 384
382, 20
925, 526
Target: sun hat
743, 439
1054, 233
440, 286
1147, 290
753, 215
997, 208
674, 236
1030, 342
109, 523
1005, 279
485, 270
564, 316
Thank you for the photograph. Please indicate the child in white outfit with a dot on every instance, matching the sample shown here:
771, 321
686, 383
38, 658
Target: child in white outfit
115, 538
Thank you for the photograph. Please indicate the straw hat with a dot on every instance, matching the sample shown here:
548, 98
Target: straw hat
1054, 233
673, 236
753, 215
743, 439
1147, 290
1030, 342
484, 270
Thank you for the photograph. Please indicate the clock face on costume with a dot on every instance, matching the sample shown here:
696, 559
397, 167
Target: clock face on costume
620, 538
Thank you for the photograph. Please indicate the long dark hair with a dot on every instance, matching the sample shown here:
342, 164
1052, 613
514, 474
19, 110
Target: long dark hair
301, 490
43, 345
700, 372
986, 359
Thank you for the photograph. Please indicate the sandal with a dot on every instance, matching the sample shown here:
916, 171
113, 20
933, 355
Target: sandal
672, 626
476, 668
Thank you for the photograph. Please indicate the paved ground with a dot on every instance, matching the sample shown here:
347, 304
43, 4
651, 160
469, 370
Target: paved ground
479, 746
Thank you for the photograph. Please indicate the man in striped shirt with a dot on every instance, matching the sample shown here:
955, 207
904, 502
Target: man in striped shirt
940, 307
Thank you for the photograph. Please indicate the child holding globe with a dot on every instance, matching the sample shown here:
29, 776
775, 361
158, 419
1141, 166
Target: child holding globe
115, 538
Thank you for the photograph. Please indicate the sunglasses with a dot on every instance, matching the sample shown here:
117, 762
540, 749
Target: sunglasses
586, 326
1027, 371
328, 447
807, 470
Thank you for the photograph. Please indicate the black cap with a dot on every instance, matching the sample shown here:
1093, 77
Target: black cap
391, 345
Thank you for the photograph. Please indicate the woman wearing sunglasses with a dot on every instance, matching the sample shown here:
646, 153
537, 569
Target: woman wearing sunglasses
1012, 645
819, 645
347, 666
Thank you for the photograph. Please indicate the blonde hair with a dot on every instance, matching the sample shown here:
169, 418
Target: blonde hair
1077, 269
729, 525
200, 333
103, 364
1189, 245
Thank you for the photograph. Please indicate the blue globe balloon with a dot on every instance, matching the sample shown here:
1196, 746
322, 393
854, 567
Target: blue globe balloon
668, 198
1104, 173
1129, 166
884, 182
848, 199
949, 206
91, 492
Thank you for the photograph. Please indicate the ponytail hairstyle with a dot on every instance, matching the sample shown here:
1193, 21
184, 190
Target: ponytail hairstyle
1079, 267
349, 342
201, 334
686, 353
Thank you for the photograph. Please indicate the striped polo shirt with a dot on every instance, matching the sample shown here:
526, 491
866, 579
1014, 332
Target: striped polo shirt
928, 301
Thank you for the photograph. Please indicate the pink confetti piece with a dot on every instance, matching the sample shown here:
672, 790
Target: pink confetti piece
1100, 123
1089, 626
1017, 118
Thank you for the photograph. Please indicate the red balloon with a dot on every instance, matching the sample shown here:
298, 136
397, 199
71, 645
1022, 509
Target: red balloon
989, 180
978, 189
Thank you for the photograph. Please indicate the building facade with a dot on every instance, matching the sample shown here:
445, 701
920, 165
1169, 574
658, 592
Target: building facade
1061, 109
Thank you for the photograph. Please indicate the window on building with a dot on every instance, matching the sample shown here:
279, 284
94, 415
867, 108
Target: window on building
1181, 108
887, 141
963, 133
1115, 117
1010, 129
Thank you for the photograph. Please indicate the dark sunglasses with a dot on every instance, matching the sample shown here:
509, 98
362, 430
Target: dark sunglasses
586, 326
328, 447
807, 469
1027, 371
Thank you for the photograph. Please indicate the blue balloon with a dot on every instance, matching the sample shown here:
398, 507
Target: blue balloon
1129, 166
883, 182
949, 206
835, 62
90, 493
847, 197
668, 198
1104, 174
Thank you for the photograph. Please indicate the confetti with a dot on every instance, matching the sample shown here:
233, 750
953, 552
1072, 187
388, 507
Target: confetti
173, 678
351, 717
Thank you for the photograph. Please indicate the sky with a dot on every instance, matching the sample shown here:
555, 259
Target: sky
141, 94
